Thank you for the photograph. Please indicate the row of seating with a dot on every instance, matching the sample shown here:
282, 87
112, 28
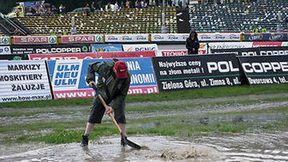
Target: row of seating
238, 17
128, 20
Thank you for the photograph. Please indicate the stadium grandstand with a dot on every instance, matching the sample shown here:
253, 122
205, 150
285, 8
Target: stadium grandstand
140, 16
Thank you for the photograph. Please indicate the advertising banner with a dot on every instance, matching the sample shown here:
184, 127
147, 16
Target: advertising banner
219, 36
5, 40
228, 45
130, 38
198, 71
62, 56
63, 48
140, 47
68, 77
106, 47
171, 37
265, 69
34, 40
88, 38
183, 52
24, 80
45, 49
77, 56
265, 36
237, 51
14, 57
5, 50
266, 44
138, 54
259, 51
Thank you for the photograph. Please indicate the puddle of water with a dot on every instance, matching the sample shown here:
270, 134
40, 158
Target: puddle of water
155, 149
262, 147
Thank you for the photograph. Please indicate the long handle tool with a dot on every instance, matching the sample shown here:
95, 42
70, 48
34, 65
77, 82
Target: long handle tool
128, 142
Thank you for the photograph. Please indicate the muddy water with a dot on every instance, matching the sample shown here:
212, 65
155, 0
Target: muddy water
155, 149
262, 147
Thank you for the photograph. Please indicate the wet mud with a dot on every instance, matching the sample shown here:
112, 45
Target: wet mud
109, 149
250, 147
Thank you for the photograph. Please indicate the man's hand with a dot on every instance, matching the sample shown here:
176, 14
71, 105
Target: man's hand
108, 110
91, 83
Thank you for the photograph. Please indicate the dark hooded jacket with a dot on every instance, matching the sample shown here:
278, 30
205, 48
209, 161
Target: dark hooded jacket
192, 43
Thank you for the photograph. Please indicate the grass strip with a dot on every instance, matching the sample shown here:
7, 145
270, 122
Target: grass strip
163, 96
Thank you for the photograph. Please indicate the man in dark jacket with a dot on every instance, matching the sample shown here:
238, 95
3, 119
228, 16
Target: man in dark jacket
192, 43
112, 84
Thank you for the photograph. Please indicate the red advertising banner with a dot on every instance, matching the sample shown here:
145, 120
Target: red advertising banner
76, 56
183, 52
88, 38
125, 54
265, 44
62, 56
34, 40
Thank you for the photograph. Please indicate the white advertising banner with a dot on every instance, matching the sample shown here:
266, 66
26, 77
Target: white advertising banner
140, 47
219, 36
5, 50
24, 80
169, 37
228, 45
127, 38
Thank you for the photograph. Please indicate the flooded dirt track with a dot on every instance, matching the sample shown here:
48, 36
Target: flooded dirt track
247, 147
262, 147
237, 148
155, 149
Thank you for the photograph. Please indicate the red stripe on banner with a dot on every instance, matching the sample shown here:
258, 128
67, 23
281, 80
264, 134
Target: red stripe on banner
88, 93
76, 56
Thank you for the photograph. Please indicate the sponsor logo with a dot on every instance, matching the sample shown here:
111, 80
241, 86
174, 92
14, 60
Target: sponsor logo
126, 38
5, 50
255, 37
252, 53
277, 37
59, 50
158, 37
5, 40
205, 37
89, 38
234, 36
175, 53
173, 37
31, 40
17, 58
265, 67
145, 49
221, 66
85, 49
52, 40
219, 36
279, 52
99, 38
140, 37
112, 38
